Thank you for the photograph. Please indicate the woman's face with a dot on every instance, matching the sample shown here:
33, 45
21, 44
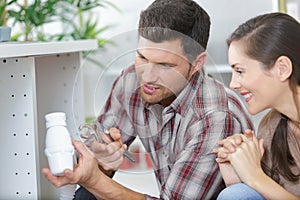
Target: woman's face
260, 88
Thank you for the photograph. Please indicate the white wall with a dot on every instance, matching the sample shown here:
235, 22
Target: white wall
123, 21
293, 8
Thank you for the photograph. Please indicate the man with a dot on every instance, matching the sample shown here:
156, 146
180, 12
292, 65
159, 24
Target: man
167, 100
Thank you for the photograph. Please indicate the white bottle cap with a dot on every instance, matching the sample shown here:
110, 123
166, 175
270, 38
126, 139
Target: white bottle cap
55, 119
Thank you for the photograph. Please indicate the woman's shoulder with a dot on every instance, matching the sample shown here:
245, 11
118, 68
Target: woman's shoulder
268, 125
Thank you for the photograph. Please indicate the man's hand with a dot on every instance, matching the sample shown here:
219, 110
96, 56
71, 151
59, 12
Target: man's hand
110, 153
85, 173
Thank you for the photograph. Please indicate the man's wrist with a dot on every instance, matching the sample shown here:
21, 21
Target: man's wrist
109, 173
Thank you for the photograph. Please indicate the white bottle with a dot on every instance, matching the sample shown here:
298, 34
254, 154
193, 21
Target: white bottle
59, 149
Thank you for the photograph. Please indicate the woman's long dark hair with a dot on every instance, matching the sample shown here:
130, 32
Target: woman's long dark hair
267, 37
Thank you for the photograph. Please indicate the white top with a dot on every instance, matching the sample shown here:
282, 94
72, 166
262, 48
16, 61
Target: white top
55, 119
21, 49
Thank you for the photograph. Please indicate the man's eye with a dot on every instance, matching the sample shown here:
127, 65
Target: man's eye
164, 66
141, 57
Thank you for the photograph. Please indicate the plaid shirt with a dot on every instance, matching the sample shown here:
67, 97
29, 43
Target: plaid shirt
179, 138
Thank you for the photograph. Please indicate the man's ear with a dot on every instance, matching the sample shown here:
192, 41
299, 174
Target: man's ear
199, 62
284, 68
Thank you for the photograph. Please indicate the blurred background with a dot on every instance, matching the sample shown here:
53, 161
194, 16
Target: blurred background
113, 24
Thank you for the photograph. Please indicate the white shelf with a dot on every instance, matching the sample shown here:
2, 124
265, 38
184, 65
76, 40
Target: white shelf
21, 49
36, 78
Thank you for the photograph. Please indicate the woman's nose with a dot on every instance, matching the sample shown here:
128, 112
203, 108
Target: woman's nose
234, 83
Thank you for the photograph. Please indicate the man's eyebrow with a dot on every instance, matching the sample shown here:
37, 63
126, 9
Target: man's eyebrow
139, 53
161, 63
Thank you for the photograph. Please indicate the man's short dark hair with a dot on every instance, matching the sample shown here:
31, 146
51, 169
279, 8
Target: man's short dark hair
166, 20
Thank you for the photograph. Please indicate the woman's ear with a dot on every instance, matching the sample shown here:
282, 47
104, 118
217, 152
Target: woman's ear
199, 62
284, 68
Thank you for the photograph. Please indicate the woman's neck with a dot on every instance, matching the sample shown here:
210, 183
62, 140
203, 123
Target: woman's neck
289, 107
295, 128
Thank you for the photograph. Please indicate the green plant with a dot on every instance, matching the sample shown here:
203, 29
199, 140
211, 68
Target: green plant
3, 11
76, 17
86, 26
32, 18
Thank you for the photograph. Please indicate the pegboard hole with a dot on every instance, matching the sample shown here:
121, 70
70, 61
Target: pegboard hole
11, 76
25, 115
28, 173
27, 154
12, 95
4, 61
14, 135
17, 193
26, 134
17, 60
16, 173
29, 192
13, 115
25, 95
23, 75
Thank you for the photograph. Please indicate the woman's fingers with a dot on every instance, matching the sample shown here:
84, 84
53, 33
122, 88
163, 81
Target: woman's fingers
221, 152
261, 147
249, 134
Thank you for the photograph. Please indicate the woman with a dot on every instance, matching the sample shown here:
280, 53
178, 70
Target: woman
264, 54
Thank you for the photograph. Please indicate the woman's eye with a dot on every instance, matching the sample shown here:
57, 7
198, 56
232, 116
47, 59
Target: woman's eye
239, 71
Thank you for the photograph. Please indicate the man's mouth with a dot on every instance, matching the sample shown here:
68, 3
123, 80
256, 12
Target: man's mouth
148, 89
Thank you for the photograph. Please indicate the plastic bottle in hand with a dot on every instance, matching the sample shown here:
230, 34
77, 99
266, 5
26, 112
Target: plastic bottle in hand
59, 149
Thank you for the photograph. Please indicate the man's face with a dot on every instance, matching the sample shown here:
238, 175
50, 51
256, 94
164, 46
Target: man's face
162, 70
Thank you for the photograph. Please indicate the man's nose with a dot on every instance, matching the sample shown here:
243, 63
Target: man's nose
151, 72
